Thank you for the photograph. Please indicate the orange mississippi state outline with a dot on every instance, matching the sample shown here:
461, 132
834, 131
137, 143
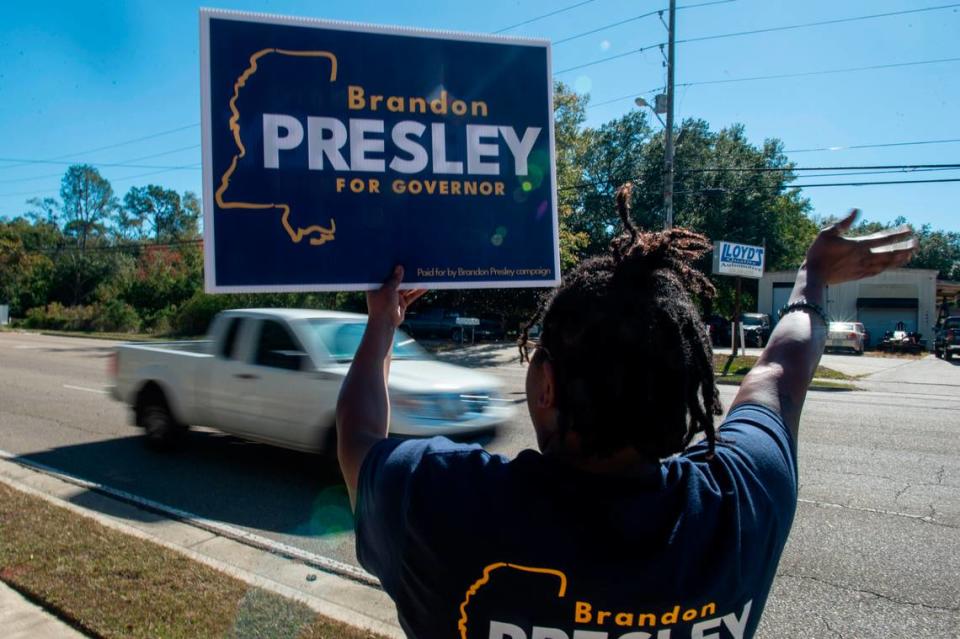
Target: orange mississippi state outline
472, 590
296, 235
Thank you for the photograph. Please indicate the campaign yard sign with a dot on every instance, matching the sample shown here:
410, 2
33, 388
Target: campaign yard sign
738, 259
333, 151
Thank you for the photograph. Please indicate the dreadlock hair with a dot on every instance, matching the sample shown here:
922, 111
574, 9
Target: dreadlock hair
631, 357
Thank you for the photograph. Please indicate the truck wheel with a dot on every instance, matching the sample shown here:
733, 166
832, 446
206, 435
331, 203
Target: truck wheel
160, 428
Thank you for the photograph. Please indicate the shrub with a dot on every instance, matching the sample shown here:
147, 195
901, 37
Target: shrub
116, 316
195, 314
58, 317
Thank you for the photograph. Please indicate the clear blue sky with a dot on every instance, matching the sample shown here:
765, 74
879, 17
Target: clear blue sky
80, 76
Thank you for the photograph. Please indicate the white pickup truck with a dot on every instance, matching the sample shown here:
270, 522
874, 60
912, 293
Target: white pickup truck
273, 375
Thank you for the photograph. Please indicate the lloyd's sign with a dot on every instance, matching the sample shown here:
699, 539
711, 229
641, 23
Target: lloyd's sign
743, 260
332, 151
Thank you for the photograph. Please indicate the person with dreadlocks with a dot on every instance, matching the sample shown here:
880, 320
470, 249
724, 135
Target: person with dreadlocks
621, 526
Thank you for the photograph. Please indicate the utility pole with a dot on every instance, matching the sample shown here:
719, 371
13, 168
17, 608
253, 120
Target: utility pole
668, 140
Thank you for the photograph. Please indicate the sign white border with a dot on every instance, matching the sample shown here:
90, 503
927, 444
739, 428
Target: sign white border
735, 270
207, 148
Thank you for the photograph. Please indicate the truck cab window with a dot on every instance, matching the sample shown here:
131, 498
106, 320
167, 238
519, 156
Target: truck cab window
277, 348
228, 348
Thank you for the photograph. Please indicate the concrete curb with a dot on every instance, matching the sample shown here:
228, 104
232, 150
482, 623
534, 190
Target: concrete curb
346, 600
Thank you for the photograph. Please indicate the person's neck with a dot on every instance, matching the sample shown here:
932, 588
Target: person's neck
626, 462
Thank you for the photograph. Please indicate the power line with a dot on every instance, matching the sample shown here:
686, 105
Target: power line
873, 183
874, 146
784, 75
822, 72
126, 178
594, 183
846, 174
772, 169
823, 184
630, 96
545, 15
112, 146
107, 164
608, 26
806, 25
195, 167
633, 19
146, 157
157, 155
764, 30
613, 57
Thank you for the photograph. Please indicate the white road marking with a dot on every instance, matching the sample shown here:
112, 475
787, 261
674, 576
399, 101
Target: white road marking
26, 347
224, 530
84, 388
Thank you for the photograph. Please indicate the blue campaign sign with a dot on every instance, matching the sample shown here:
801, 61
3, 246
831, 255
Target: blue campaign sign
332, 151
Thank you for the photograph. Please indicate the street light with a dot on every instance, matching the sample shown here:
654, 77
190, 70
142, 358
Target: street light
640, 102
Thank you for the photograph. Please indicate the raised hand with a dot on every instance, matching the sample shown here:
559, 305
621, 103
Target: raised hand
388, 305
833, 258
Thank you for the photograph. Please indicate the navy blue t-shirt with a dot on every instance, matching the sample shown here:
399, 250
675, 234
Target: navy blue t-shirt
471, 545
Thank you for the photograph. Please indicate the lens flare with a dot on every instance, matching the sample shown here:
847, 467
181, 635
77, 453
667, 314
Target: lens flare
542, 209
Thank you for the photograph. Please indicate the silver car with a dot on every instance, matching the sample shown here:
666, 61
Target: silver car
850, 336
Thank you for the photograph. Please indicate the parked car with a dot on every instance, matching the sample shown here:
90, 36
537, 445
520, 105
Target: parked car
273, 375
847, 336
902, 341
432, 322
756, 328
490, 329
947, 340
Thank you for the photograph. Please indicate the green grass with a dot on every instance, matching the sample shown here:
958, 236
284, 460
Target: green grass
110, 584
124, 337
741, 365
817, 384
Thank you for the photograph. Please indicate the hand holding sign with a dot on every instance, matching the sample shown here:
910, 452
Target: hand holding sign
387, 306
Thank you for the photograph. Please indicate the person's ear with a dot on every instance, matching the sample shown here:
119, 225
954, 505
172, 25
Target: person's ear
548, 388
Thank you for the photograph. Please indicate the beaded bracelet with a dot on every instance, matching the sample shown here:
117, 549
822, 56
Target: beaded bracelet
804, 305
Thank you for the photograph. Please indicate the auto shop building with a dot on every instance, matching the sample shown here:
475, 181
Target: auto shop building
905, 295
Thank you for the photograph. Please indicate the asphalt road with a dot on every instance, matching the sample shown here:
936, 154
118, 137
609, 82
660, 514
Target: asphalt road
874, 552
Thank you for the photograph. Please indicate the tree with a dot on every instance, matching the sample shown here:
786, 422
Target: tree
87, 203
939, 250
158, 212
569, 112
24, 268
615, 153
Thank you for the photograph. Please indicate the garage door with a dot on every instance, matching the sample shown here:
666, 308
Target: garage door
878, 321
781, 295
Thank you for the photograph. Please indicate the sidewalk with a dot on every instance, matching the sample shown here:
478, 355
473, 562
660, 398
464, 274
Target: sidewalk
22, 619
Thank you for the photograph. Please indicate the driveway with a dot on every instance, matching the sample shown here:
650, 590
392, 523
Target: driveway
927, 376
849, 364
